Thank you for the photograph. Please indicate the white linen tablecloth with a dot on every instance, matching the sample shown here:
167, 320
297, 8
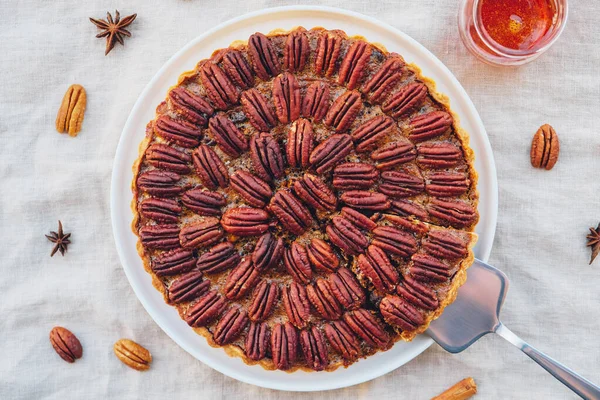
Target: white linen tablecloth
540, 242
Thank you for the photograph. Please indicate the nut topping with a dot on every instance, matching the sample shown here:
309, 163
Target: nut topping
237, 69
296, 304
323, 300
346, 236
418, 294
344, 111
405, 100
427, 126
358, 219
455, 213
266, 157
366, 325
346, 289
201, 234
218, 258
400, 313
203, 202
161, 210
316, 101
446, 184
264, 300
71, 111
406, 208
66, 344
366, 200
367, 135
263, 56
295, 260
284, 345
251, 188
229, 138
376, 266
444, 244
188, 287
401, 184
314, 349
354, 175
208, 308
210, 168
174, 262
245, 221
160, 183
286, 96
393, 154
190, 106
394, 241
132, 354
383, 81
439, 154
230, 326
257, 340
544, 148
258, 110
354, 64
166, 157
330, 152
160, 237
428, 268
315, 193
342, 339
296, 51
241, 280
327, 53
181, 132
300, 144
221, 92
267, 252
290, 212
321, 256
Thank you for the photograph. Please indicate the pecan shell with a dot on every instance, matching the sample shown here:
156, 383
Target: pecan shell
315, 193
368, 327
296, 304
210, 168
266, 156
201, 234
166, 157
314, 349
241, 280
251, 188
544, 148
343, 340
328, 49
346, 289
399, 184
398, 312
160, 183
229, 138
406, 100
258, 110
447, 184
257, 341
354, 175
219, 89
286, 97
427, 268
188, 287
316, 101
394, 241
203, 202
230, 326
218, 258
161, 210
444, 244
323, 300
179, 131
393, 154
263, 56
455, 213
321, 256
160, 237
427, 126
300, 144
439, 155
330, 152
354, 64
367, 136
245, 221
237, 69
296, 51
344, 111
383, 81
208, 308
346, 236
376, 266
290, 211
173, 262
366, 200
295, 260
190, 106
267, 252
264, 300
418, 294
358, 219
284, 345
66, 344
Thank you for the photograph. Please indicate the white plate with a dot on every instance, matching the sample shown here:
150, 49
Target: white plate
143, 111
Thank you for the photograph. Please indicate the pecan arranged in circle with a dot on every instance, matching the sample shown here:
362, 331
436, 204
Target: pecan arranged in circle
264, 300
328, 49
221, 92
447, 184
358, 219
405, 100
444, 244
284, 345
315, 193
314, 349
439, 154
418, 294
316, 101
300, 144
251, 188
394, 241
160, 183
257, 340
166, 157
354, 175
181, 132
406, 208
201, 234
267, 252
245, 221
230, 326
344, 111
321, 256
296, 51
376, 266
208, 307
173, 262
354, 64
367, 135
263, 56
384, 80
258, 110
241, 280
160, 237
286, 96
295, 260
323, 300
330, 152
346, 236
427, 126
162, 210
218, 258
399, 184
544, 148
400, 313
290, 211
427, 268
366, 325
346, 289
210, 168
203, 202
342, 339
393, 154
237, 69
190, 106
188, 287
296, 304
452, 212
266, 156
228, 136
366, 200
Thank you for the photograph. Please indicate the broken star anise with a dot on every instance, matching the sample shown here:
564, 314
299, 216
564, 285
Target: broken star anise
594, 242
60, 239
113, 30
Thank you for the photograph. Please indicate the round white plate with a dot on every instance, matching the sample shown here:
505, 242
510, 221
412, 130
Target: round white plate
143, 111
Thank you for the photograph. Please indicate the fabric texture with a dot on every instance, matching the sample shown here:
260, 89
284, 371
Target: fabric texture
540, 240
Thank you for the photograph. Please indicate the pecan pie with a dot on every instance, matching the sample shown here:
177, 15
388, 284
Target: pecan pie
305, 199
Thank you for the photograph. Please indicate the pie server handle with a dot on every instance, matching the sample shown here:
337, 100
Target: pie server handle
574, 381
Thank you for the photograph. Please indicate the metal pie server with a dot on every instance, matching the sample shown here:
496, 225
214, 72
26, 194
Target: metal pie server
476, 312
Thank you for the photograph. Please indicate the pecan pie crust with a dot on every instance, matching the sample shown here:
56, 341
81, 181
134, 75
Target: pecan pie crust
305, 199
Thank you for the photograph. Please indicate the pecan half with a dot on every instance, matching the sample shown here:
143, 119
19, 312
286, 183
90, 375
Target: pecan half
228, 136
368, 327
71, 111
258, 110
384, 80
376, 266
367, 135
264, 300
210, 168
266, 156
208, 307
398, 312
344, 111
290, 211
346, 236
315, 193
346, 289
405, 100
296, 51
316, 101
245, 221
439, 154
401, 184
358, 219
284, 345
203, 202
132, 354
173, 262
544, 148
296, 304
354, 64
408, 224
444, 244
427, 268
330, 152
220, 90
166, 157
179, 131
218, 258
323, 300
251, 188
456, 213
286, 97
201, 234
66, 344
160, 237
162, 210
241, 280
263, 56
300, 144
427, 126
406, 208
393, 154
237, 69
160, 183
447, 184
321, 256
394, 241
314, 349
354, 175
267, 252
366, 200
190, 106
295, 260
230, 326
418, 294
257, 340
328, 49
342, 339
188, 287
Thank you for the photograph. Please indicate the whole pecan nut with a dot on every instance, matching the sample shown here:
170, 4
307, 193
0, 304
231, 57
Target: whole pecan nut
251, 188
439, 154
218, 258
161, 210
316, 101
314, 349
230, 326
407, 99
296, 51
315, 193
290, 211
328, 49
296, 305
346, 289
418, 294
266, 156
210, 168
358, 219
160, 183
343, 340
228, 136
173, 262
354, 64
346, 236
427, 268
427, 126
398, 312
455, 213
237, 69
160, 236
208, 308
245, 221
267, 252
190, 106
321, 256
286, 97
219, 88
394, 241
166, 157
241, 280
367, 135
263, 56
66, 344
366, 200
188, 287
344, 111
384, 80
323, 300
354, 175
393, 154
264, 300
300, 144
201, 234
181, 132
376, 266
330, 152
132, 354
544, 148
295, 260
400, 184
257, 341
444, 244
368, 327
447, 184
284, 345
71, 111
204, 202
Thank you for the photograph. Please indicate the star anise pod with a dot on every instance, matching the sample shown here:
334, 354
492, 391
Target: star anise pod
61, 240
594, 242
113, 30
